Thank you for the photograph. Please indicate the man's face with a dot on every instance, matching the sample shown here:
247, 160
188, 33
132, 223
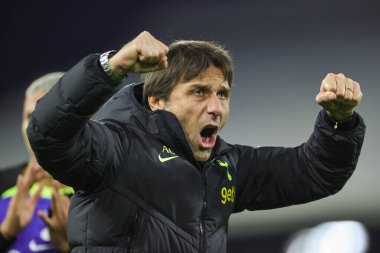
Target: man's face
29, 105
202, 107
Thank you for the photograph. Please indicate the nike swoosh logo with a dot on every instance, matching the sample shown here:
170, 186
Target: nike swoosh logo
165, 159
33, 246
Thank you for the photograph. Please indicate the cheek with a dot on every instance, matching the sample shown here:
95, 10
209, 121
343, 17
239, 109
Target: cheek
184, 112
188, 121
226, 112
171, 108
187, 124
226, 106
23, 128
24, 125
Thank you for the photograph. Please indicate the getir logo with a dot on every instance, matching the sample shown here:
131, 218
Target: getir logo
228, 194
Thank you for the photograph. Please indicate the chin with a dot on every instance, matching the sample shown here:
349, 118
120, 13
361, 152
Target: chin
202, 156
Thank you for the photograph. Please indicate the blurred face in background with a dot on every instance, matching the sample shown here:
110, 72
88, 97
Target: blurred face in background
29, 105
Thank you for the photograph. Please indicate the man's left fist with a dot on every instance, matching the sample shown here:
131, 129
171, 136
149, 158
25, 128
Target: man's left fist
339, 95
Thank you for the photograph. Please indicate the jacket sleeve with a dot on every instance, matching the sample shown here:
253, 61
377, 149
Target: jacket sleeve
77, 151
272, 177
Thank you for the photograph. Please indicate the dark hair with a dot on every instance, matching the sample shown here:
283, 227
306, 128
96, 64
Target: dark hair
187, 59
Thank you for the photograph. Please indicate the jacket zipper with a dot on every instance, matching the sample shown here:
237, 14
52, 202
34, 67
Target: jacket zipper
202, 234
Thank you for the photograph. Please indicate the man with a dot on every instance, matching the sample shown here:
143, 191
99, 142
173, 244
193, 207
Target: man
152, 174
22, 228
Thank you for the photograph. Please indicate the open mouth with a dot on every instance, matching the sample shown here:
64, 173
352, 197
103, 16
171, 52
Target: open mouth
208, 136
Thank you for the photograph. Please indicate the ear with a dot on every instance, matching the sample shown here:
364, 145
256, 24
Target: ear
156, 103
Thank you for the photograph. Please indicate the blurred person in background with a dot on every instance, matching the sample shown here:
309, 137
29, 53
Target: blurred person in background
33, 213
34, 92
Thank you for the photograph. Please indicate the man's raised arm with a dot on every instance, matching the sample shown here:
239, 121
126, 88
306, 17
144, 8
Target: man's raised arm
272, 177
74, 149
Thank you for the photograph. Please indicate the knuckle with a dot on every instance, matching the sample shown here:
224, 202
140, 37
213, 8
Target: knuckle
149, 54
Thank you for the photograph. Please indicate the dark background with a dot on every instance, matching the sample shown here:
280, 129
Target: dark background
282, 50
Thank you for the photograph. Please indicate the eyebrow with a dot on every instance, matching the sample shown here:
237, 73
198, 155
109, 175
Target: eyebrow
209, 86
226, 89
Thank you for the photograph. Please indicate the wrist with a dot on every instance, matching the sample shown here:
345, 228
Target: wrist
114, 73
6, 233
64, 248
341, 116
342, 125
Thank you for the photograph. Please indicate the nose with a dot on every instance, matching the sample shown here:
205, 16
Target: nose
214, 106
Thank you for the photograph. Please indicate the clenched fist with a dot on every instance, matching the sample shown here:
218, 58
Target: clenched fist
339, 95
143, 54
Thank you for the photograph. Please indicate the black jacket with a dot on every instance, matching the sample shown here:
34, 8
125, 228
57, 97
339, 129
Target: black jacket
139, 188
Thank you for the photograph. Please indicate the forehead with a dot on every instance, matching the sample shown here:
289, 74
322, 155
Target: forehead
32, 98
212, 76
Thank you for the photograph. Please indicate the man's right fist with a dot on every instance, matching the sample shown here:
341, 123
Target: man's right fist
143, 54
